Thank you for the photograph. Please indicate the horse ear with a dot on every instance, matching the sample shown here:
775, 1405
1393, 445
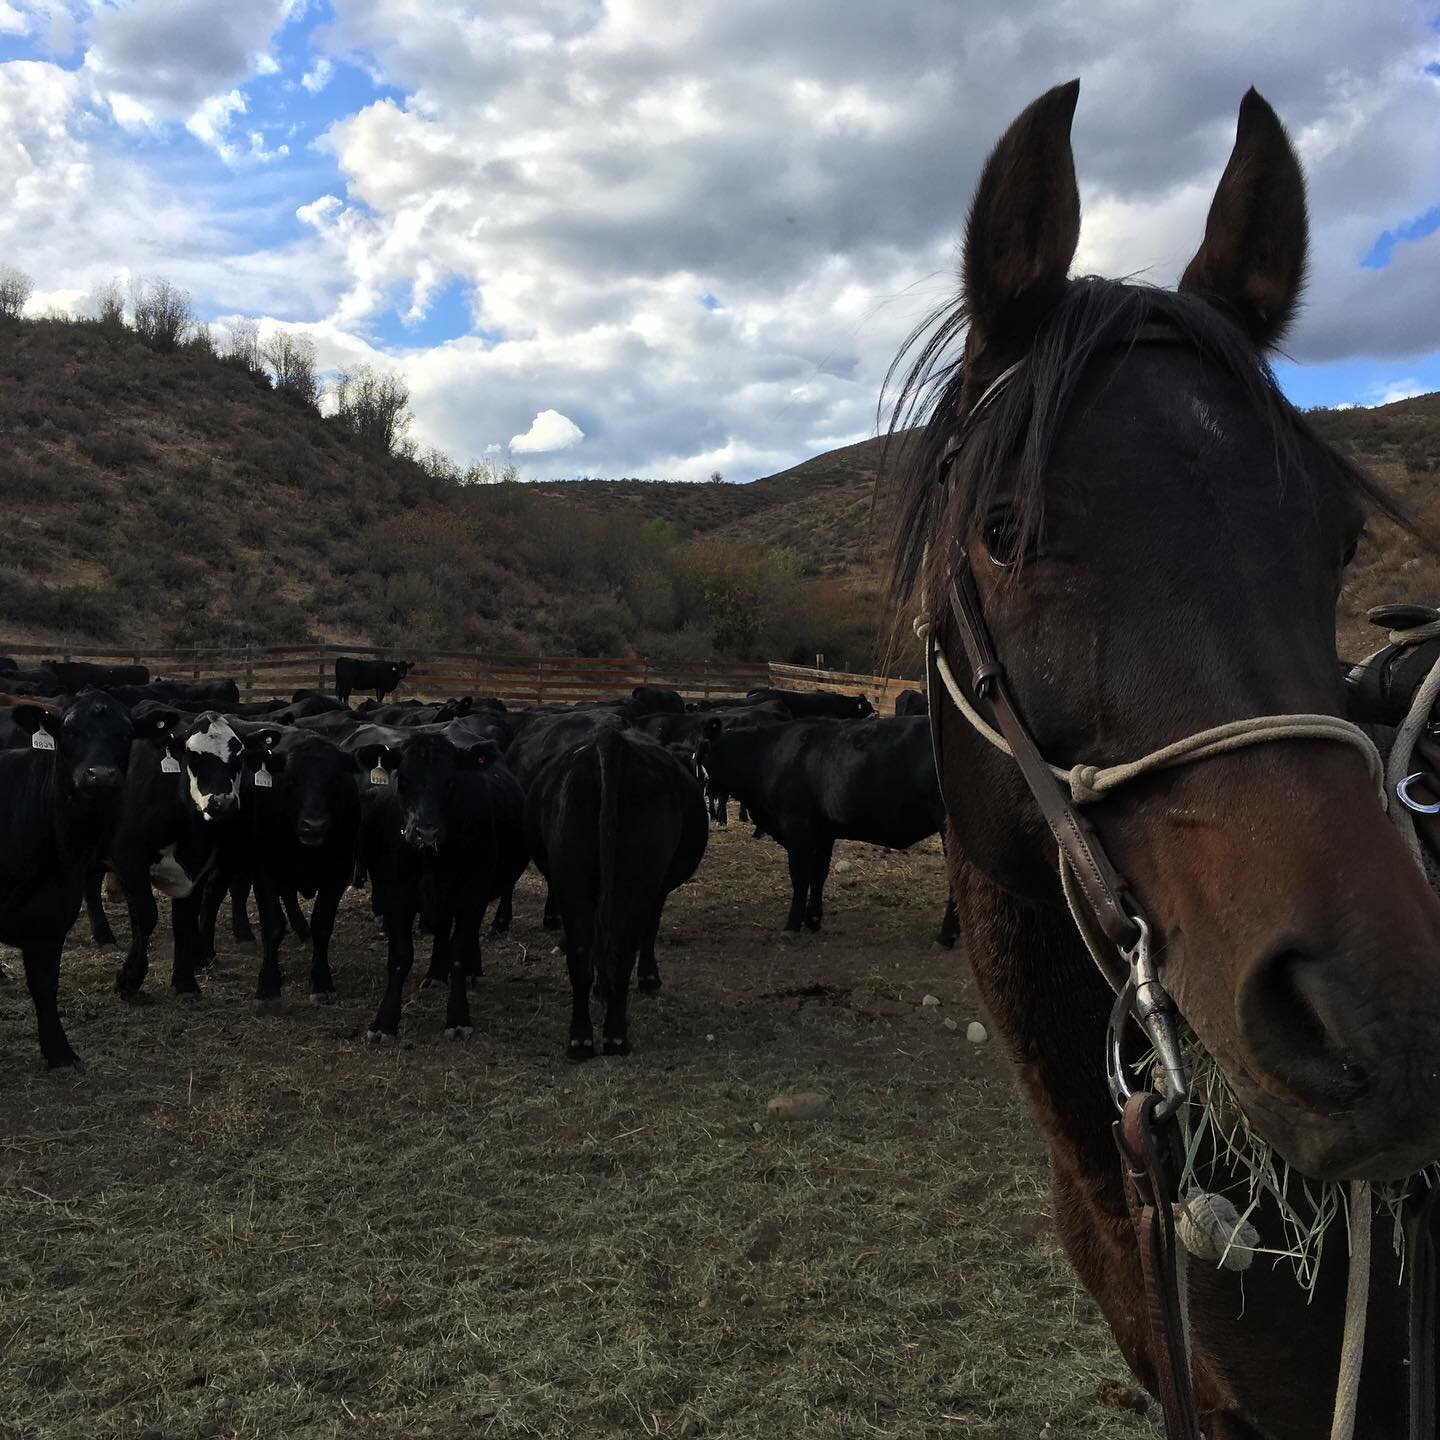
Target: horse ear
1252, 260
1024, 223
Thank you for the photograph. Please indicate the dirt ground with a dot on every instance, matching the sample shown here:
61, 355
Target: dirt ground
242, 1225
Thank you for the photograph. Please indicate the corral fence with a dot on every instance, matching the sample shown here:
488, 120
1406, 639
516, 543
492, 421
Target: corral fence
267, 672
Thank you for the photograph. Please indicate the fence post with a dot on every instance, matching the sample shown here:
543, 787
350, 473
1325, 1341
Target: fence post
249, 673
320, 670
195, 663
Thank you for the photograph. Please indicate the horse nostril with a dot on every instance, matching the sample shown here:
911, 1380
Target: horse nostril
1295, 1015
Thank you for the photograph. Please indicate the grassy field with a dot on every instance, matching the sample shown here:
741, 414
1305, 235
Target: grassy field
234, 1225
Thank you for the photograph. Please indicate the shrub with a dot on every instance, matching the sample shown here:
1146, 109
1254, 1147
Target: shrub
291, 359
374, 408
164, 319
15, 290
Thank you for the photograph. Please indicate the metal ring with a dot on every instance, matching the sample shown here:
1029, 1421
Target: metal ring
1402, 792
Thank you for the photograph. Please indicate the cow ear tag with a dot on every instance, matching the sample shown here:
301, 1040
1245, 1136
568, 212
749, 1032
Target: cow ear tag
169, 765
42, 740
264, 780
379, 776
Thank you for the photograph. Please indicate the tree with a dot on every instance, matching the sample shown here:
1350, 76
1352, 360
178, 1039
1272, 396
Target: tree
164, 318
374, 408
107, 306
716, 478
291, 359
242, 346
15, 289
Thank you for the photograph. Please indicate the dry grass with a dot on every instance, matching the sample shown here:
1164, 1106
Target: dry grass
241, 1226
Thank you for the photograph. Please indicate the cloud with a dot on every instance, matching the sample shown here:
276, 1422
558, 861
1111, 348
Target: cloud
318, 76
1392, 390
549, 431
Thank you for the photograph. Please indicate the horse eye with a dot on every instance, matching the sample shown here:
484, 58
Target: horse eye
1002, 536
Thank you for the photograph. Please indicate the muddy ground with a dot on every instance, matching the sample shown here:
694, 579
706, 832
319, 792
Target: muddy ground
242, 1225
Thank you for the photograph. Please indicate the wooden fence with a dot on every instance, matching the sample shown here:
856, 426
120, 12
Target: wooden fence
266, 672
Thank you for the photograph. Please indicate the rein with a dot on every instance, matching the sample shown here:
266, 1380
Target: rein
1117, 935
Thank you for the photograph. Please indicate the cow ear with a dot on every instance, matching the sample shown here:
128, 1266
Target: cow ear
371, 756
711, 727
1024, 226
30, 718
254, 757
157, 724
1251, 263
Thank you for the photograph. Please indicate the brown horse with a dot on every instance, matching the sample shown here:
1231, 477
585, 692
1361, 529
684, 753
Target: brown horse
1157, 540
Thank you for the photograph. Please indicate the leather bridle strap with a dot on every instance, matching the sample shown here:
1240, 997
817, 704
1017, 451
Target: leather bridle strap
1098, 879
1151, 1170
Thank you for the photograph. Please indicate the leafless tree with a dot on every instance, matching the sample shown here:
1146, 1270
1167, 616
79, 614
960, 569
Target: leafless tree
291, 361
15, 290
242, 346
107, 306
374, 408
164, 318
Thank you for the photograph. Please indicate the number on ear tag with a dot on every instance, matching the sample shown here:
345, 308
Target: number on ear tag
169, 766
42, 740
379, 776
264, 780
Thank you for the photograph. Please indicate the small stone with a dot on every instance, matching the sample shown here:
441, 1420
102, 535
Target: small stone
691, 1428
843, 867
976, 1033
710, 1039
950, 1024
803, 1105
757, 1127
705, 1303
930, 1001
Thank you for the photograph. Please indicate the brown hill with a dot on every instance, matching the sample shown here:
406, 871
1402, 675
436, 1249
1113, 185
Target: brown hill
175, 498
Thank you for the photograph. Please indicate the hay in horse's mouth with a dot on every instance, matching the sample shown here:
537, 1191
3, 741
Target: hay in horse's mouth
1224, 1153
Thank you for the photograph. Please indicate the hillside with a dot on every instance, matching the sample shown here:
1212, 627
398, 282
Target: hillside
177, 499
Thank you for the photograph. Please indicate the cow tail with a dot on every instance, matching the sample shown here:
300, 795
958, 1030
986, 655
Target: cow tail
609, 748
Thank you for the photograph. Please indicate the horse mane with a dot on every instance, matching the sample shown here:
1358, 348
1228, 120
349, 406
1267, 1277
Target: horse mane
1011, 442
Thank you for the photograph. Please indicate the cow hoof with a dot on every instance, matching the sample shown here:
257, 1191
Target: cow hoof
69, 1061
380, 1037
103, 946
133, 995
648, 984
496, 928
267, 1005
941, 943
431, 981
617, 1047
190, 997
459, 1032
323, 997
582, 1049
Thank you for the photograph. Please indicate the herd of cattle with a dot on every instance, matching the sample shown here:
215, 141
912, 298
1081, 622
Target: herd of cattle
113, 780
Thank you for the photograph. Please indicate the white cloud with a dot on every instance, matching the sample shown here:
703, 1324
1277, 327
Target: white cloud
211, 122
549, 431
317, 77
1392, 390
12, 22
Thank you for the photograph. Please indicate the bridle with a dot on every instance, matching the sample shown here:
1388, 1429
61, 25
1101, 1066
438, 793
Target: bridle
1118, 936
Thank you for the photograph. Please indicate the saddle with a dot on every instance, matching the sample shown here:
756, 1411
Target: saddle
1381, 687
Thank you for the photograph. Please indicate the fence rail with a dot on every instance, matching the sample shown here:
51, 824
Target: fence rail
266, 672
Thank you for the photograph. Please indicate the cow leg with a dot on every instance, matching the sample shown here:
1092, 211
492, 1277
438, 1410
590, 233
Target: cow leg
799, 885
949, 926
102, 937
464, 962
551, 918
272, 935
299, 925
648, 979
42, 975
744, 815
819, 873
582, 1030
440, 957
399, 922
504, 913
616, 986
322, 927
186, 923
240, 910
144, 916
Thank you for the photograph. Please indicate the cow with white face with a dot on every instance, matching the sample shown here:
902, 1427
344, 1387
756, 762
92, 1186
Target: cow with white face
181, 803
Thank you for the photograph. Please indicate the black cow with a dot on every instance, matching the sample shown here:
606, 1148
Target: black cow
206, 694
442, 835
77, 675
688, 730
381, 676
179, 803
655, 700
302, 821
7, 665
814, 704
614, 825
912, 702
59, 800
813, 782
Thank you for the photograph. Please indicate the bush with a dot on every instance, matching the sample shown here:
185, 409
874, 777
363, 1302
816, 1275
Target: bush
598, 626
374, 408
291, 359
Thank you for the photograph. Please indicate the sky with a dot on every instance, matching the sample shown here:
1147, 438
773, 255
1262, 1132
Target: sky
635, 237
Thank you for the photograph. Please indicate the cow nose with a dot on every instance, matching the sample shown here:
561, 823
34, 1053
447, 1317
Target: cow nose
312, 830
221, 805
101, 777
422, 837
